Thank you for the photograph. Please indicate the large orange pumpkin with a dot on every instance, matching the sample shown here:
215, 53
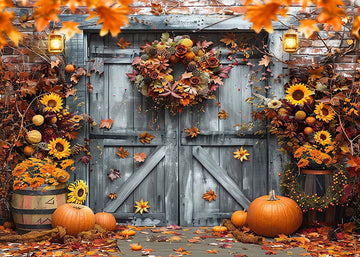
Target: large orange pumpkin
271, 215
239, 218
105, 220
74, 217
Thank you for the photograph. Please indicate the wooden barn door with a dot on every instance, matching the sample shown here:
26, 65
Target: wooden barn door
177, 170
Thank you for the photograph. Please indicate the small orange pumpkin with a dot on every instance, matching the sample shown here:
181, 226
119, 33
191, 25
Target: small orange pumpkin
128, 232
105, 220
29, 150
271, 215
69, 68
136, 247
239, 218
219, 229
74, 217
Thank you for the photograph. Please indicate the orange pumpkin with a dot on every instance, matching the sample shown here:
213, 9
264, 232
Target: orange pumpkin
271, 215
105, 220
136, 247
239, 218
74, 217
29, 150
219, 229
69, 68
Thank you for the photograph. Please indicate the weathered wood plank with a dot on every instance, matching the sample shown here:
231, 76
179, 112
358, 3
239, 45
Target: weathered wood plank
220, 175
136, 178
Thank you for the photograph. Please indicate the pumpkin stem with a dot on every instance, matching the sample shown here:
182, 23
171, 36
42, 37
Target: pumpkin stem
272, 196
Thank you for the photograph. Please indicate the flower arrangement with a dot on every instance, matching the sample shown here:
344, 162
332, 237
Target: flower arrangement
152, 73
34, 172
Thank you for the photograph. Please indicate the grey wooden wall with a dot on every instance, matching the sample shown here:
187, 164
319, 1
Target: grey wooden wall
178, 170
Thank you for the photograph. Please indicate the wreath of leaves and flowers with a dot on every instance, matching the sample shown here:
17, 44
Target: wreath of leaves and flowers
153, 68
290, 187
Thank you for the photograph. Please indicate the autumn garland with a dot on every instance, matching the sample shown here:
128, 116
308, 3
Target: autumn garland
203, 75
290, 187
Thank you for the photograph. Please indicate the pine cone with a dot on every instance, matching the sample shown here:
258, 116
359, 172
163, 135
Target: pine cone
196, 73
144, 57
152, 51
195, 49
204, 58
76, 149
217, 70
191, 66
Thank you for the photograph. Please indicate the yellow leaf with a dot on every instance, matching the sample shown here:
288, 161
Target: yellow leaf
349, 41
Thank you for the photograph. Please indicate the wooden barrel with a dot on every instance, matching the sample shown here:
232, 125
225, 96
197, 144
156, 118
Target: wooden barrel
317, 182
32, 209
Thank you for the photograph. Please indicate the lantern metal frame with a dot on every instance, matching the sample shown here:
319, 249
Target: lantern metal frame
55, 37
291, 35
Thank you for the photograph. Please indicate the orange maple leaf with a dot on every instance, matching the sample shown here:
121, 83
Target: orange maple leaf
212, 251
46, 11
308, 27
229, 39
7, 27
122, 153
112, 18
261, 14
331, 17
140, 157
192, 132
112, 196
145, 137
209, 195
122, 43
356, 27
70, 28
354, 161
106, 123
156, 9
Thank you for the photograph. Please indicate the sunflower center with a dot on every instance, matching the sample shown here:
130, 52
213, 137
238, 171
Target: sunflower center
59, 147
325, 111
80, 192
298, 94
52, 103
323, 137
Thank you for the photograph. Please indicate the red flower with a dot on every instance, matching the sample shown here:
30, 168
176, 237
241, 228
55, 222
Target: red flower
195, 81
213, 62
180, 51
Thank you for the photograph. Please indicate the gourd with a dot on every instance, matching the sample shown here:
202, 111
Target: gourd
239, 218
105, 220
38, 120
271, 215
28, 150
74, 218
69, 68
33, 136
219, 229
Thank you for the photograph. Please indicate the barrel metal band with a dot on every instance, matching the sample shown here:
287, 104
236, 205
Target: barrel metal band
32, 211
47, 192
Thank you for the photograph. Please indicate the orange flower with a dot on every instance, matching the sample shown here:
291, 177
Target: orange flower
303, 163
66, 163
18, 171
36, 182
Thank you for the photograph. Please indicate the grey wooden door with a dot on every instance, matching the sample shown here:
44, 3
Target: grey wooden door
178, 170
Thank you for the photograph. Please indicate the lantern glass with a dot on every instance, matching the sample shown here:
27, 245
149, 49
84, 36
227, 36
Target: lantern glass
291, 41
55, 43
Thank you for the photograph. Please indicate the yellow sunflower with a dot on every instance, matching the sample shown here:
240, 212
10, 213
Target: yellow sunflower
78, 192
324, 112
323, 137
141, 206
52, 102
59, 147
241, 154
298, 94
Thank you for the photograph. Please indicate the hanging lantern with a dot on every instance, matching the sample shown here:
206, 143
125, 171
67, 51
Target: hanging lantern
55, 43
291, 41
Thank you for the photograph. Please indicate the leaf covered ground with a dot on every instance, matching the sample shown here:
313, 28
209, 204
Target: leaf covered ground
174, 241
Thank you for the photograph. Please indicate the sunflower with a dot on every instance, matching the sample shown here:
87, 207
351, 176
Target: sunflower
322, 137
78, 192
324, 112
298, 94
241, 154
274, 104
141, 206
52, 102
59, 147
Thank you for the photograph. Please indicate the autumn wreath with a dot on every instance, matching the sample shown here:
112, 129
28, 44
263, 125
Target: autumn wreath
152, 73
